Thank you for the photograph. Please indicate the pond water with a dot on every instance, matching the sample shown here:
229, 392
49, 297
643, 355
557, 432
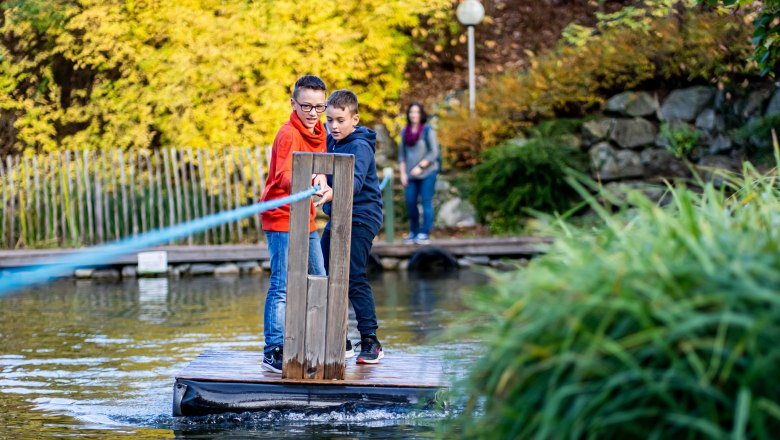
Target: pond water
91, 359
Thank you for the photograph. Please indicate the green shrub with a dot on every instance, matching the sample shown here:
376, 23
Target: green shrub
760, 128
765, 41
756, 136
664, 323
514, 178
576, 79
681, 139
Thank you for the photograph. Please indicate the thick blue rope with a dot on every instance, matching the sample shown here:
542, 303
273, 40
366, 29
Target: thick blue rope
103, 254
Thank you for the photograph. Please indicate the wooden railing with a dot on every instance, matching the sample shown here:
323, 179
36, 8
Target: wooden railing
83, 198
315, 325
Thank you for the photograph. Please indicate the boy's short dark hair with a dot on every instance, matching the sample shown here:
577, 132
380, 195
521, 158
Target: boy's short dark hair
345, 100
312, 82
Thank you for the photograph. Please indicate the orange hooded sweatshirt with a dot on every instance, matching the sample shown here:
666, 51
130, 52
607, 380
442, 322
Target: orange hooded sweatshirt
293, 136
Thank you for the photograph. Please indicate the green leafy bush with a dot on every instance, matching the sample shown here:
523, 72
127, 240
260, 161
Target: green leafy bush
514, 178
663, 323
578, 78
759, 129
765, 42
681, 139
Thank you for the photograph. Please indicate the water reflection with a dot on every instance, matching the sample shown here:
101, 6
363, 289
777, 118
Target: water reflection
153, 299
99, 357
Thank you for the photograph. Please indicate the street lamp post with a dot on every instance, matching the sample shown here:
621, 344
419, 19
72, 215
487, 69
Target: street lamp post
470, 13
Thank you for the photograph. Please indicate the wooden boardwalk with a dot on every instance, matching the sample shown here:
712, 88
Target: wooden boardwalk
233, 381
490, 246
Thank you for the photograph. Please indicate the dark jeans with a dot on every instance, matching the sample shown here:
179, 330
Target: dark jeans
420, 189
360, 294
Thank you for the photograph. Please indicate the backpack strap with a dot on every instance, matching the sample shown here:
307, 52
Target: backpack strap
426, 130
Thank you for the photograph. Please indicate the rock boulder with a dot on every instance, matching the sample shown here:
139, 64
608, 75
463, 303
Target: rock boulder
632, 104
686, 104
633, 133
456, 212
610, 163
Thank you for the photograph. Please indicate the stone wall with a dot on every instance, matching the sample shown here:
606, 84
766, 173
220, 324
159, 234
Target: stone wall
637, 135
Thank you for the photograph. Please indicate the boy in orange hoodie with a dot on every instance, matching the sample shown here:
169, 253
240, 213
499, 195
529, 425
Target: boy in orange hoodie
303, 132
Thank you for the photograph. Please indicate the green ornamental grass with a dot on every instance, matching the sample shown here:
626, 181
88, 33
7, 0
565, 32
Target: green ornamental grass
664, 323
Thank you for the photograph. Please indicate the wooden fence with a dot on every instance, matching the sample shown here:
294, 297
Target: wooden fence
71, 199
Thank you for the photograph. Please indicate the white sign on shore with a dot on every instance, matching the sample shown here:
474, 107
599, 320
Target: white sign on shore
152, 263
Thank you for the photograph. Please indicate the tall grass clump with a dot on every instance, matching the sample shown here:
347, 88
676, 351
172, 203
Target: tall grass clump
663, 323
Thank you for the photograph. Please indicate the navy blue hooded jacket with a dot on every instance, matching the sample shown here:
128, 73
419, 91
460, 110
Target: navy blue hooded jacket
367, 198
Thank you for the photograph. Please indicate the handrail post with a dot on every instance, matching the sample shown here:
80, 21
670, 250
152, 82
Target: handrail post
315, 325
388, 205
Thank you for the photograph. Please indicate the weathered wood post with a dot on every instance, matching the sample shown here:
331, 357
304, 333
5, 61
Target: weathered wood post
315, 328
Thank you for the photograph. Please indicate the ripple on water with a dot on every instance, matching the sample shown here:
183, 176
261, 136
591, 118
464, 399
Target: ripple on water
22, 360
105, 340
339, 419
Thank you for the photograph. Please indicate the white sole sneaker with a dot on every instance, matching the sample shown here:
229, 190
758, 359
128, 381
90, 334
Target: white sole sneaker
270, 369
379, 357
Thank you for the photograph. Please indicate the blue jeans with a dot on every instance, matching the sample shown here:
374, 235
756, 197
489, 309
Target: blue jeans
276, 300
360, 295
420, 189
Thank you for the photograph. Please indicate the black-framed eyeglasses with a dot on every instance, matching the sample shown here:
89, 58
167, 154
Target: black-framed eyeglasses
307, 107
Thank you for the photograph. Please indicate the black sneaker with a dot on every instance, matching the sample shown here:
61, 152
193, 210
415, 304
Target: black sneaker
272, 361
349, 352
370, 351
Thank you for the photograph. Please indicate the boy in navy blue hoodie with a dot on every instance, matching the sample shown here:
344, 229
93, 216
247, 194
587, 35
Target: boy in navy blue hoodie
348, 138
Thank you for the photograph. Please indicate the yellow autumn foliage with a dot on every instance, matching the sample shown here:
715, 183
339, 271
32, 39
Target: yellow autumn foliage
198, 73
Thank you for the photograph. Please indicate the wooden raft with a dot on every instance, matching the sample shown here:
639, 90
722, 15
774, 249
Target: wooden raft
232, 381
314, 373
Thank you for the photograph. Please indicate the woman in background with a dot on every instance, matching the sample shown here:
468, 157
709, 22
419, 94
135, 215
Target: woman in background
418, 155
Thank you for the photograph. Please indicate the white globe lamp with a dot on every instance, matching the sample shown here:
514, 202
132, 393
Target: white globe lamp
470, 13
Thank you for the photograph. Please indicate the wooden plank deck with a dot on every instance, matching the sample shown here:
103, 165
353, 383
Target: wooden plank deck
233, 381
399, 370
491, 246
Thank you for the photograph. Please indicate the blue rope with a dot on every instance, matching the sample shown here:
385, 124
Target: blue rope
20, 278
